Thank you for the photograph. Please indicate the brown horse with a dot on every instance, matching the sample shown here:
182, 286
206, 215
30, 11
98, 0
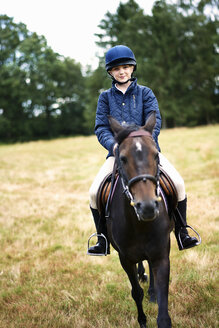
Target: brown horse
138, 224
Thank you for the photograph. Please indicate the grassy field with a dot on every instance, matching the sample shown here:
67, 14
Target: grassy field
46, 278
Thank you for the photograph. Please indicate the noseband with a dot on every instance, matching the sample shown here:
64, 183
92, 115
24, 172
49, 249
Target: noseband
144, 178
126, 184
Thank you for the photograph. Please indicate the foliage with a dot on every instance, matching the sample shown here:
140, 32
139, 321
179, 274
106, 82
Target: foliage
40, 91
95, 83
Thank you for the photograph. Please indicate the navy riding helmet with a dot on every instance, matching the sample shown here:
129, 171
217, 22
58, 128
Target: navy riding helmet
119, 55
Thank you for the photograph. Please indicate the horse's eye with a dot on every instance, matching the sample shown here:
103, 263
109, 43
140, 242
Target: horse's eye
123, 159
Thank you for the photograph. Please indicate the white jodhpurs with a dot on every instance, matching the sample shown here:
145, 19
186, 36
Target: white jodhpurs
174, 175
107, 168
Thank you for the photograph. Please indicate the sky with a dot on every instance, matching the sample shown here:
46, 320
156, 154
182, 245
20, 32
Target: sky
68, 25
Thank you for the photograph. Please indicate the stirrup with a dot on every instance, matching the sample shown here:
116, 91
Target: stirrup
88, 244
197, 234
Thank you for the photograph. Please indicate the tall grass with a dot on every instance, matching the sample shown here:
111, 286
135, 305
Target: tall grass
46, 278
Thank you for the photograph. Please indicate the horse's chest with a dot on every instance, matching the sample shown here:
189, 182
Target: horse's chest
137, 246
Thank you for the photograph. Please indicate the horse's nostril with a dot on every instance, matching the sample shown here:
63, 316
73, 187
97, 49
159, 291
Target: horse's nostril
138, 205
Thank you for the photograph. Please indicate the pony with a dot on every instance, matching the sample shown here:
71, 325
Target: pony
138, 224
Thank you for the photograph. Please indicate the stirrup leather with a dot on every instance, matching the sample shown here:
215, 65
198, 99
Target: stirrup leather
106, 242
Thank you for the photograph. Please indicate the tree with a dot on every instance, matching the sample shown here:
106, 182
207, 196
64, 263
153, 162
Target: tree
71, 99
12, 78
41, 92
96, 82
55, 84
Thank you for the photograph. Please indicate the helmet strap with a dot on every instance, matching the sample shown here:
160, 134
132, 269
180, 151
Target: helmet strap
121, 83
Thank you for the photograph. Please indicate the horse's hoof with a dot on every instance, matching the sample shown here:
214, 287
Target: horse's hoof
143, 326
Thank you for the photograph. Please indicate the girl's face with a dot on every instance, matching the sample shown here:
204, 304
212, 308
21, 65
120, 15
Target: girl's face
122, 73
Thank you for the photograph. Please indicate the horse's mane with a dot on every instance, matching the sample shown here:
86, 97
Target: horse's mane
124, 133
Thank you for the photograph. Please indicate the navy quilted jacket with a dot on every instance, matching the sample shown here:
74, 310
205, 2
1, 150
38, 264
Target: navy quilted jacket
132, 107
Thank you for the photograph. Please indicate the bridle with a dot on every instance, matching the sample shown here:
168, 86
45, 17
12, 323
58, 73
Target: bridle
126, 184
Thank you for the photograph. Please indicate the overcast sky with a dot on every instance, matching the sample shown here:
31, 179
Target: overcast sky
68, 25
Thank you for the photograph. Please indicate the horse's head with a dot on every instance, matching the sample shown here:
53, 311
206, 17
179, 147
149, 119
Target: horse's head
137, 158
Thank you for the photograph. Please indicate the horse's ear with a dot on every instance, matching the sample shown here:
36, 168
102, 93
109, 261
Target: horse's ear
114, 124
150, 123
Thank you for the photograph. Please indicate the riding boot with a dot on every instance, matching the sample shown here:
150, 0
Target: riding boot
100, 247
182, 236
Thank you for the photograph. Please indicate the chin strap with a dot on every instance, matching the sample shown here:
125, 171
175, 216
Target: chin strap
121, 83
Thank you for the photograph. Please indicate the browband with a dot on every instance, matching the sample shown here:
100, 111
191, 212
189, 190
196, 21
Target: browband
139, 133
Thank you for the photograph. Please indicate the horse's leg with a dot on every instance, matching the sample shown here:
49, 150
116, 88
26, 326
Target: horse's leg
137, 291
141, 273
151, 289
161, 270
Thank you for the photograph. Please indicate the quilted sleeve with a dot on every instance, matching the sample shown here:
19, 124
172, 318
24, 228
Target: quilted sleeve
150, 104
102, 127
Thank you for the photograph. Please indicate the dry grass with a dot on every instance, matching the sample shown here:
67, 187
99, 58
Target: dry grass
46, 278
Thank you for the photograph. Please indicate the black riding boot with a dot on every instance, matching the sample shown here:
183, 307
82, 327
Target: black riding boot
100, 247
182, 236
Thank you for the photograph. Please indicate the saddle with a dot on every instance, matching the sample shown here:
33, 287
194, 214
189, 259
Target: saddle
169, 190
106, 191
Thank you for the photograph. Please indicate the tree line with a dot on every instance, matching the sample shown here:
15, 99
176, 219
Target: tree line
45, 95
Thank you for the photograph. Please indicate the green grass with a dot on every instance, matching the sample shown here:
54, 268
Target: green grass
46, 278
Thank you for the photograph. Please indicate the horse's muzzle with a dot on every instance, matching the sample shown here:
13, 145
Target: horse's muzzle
147, 210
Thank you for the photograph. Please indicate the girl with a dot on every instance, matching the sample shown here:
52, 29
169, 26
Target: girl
129, 103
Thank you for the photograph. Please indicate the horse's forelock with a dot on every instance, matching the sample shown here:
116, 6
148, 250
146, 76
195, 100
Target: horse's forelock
122, 135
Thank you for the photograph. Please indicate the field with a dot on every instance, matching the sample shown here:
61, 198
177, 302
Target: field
46, 278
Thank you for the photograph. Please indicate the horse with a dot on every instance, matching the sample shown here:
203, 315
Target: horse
138, 223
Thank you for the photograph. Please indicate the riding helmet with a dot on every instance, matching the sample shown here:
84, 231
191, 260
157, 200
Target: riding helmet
119, 55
